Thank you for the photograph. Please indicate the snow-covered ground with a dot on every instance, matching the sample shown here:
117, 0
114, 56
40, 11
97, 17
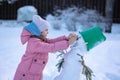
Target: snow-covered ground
103, 59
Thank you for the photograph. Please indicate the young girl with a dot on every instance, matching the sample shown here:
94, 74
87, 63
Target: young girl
36, 54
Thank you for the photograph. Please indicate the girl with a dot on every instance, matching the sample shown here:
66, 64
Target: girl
36, 54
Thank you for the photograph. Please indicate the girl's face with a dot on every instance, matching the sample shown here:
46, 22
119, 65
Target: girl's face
44, 33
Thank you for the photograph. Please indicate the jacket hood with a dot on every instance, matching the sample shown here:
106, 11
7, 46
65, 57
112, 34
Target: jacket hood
33, 29
25, 35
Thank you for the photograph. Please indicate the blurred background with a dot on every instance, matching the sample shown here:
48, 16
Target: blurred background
109, 9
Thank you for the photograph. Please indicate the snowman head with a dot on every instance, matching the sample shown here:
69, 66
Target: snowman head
80, 45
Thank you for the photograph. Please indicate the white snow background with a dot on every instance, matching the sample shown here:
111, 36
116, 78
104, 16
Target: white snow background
104, 59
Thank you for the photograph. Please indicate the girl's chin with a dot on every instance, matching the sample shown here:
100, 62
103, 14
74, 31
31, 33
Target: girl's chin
45, 37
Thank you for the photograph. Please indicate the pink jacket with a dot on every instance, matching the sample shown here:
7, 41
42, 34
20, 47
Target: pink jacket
36, 55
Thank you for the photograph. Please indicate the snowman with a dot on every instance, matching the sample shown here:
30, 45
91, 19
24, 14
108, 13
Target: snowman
73, 64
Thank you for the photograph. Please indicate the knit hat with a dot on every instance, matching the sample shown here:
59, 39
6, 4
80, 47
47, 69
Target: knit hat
40, 23
37, 26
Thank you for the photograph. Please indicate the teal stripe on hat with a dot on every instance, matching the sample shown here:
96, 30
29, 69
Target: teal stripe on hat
33, 29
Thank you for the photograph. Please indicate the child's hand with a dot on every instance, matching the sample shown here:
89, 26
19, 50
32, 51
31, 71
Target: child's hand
72, 38
71, 35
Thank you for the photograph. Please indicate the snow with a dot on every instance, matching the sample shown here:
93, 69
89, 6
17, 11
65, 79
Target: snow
103, 59
73, 18
22, 13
